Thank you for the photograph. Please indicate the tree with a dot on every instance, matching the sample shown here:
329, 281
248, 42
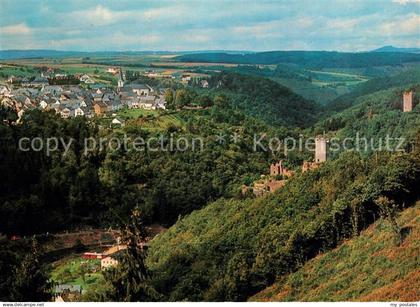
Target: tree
8, 115
389, 211
220, 101
169, 98
129, 281
182, 98
203, 101
30, 281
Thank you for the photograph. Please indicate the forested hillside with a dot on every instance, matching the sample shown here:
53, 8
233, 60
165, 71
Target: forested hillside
321, 86
370, 267
101, 187
376, 116
313, 59
405, 78
266, 100
232, 249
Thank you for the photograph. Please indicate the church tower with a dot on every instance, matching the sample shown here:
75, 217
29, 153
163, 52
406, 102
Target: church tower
120, 79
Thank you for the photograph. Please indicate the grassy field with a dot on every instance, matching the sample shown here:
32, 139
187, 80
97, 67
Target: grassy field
77, 271
368, 268
95, 67
152, 119
17, 71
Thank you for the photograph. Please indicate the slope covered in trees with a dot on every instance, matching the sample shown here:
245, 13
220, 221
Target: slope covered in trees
370, 267
405, 78
100, 188
376, 116
232, 249
321, 86
266, 100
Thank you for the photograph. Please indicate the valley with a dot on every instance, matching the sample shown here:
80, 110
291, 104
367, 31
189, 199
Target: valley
220, 239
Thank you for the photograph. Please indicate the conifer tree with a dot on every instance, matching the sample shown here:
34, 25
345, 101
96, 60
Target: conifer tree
130, 279
30, 279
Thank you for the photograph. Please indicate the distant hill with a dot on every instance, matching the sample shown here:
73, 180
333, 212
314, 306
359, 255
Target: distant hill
38, 53
24, 54
320, 86
312, 59
41, 53
408, 77
375, 117
396, 49
266, 100
335, 276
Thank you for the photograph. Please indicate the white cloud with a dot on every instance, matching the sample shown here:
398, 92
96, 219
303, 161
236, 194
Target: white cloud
274, 29
343, 23
102, 16
120, 41
404, 2
404, 25
98, 16
18, 29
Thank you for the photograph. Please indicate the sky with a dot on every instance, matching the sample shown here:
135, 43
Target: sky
91, 25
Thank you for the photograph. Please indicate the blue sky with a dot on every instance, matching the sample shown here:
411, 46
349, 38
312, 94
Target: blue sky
350, 25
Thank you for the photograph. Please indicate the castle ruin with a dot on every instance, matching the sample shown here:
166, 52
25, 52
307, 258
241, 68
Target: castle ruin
278, 169
408, 101
320, 149
320, 154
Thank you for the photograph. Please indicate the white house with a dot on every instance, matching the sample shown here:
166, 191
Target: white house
117, 122
135, 104
112, 70
86, 79
43, 104
65, 113
108, 262
204, 84
5, 91
185, 79
79, 112
140, 89
160, 103
20, 113
147, 103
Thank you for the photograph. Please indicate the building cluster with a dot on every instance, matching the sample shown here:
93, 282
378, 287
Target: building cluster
279, 174
73, 100
110, 257
67, 293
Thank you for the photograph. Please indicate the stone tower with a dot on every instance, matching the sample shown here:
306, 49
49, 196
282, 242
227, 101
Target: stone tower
320, 149
408, 101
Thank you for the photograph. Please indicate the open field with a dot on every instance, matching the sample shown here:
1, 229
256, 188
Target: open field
152, 119
75, 270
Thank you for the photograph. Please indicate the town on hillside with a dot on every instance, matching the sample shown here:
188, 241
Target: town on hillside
80, 95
